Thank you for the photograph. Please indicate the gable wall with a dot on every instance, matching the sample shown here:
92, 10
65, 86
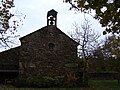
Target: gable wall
36, 56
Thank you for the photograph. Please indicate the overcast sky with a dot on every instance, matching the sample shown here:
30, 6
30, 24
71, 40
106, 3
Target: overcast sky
36, 12
36, 16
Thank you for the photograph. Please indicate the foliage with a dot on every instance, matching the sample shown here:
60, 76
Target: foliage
8, 22
109, 49
109, 65
107, 56
5, 14
43, 82
71, 79
107, 12
112, 46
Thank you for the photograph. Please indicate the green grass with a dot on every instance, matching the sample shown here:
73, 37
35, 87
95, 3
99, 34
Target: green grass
93, 85
106, 84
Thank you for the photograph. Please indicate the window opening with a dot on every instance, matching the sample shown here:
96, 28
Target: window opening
51, 46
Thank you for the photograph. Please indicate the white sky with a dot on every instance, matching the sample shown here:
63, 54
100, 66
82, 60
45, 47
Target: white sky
36, 12
36, 16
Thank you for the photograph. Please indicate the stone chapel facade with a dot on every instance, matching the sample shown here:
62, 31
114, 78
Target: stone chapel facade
46, 52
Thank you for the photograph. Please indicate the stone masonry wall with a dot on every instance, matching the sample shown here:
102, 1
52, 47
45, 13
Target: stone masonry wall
46, 52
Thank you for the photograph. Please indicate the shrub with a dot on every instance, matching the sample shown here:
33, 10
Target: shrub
44, 82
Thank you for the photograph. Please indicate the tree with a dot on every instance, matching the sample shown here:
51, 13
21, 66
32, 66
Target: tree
88, 41
110, 50
8, 23
86, 37
107, 56
107, 12
112, 46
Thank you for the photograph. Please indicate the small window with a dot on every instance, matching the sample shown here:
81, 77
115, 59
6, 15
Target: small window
51, 46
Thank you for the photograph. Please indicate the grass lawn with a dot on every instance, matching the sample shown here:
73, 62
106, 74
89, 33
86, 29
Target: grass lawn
93, 85
105, 84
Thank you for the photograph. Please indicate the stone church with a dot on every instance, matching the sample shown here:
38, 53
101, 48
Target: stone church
45, 52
